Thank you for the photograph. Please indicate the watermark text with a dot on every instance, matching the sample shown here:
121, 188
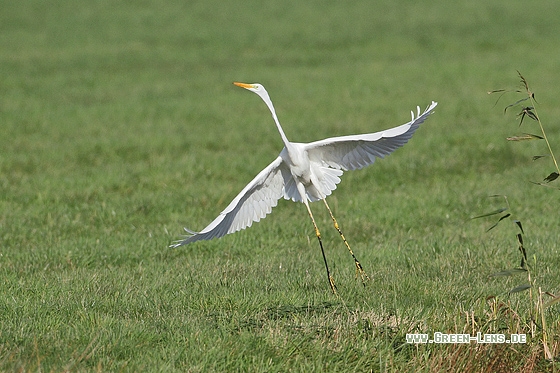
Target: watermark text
437, 337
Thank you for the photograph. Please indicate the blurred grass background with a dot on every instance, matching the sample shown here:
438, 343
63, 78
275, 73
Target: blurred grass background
120, 126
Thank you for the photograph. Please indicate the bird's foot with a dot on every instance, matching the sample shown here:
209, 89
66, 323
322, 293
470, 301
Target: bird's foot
333, 286
360, 272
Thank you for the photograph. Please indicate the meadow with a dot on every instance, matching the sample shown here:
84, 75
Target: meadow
120, 126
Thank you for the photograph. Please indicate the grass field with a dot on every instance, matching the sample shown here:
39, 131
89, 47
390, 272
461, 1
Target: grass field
120, 125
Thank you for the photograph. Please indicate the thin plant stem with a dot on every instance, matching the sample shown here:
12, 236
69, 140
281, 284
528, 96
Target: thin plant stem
532, 98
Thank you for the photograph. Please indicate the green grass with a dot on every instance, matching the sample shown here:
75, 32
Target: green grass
120, 126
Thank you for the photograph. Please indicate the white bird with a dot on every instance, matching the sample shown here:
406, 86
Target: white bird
305, 173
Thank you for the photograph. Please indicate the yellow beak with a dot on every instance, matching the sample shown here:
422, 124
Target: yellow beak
244, 85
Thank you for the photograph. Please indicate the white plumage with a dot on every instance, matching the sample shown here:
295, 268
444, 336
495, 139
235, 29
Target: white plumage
304, 172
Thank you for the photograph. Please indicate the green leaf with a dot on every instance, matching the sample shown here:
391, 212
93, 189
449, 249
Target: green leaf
553, 176
519, 225
515, 103
498, 222
552, 301
496, 212
520, 288
525, 136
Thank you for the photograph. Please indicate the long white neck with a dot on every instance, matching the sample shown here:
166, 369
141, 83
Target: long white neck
268, 102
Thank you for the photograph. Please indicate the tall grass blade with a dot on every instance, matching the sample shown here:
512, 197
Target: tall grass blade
515, 103
553, 176
520, 288
496, 212
498, 222
552, 301
524, 137
518, 223
509, 272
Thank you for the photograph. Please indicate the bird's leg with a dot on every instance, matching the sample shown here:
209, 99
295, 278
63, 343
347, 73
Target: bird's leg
359, 269
318, 234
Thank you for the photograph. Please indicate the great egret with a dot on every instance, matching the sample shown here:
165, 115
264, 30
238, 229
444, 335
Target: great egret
305, 173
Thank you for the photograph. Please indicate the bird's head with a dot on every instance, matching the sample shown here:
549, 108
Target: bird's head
258, 89
255, 87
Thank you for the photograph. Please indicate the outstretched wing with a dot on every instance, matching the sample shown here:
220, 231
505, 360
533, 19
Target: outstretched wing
357, 151
252, 204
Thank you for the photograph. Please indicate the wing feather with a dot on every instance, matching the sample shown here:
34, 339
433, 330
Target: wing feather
252, 204
358, 151
332, 156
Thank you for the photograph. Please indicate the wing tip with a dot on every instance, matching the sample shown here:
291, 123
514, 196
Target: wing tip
432, 106
419, 114
188, 239
429, 110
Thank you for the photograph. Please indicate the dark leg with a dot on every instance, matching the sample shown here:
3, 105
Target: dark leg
359, 269
318, 234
